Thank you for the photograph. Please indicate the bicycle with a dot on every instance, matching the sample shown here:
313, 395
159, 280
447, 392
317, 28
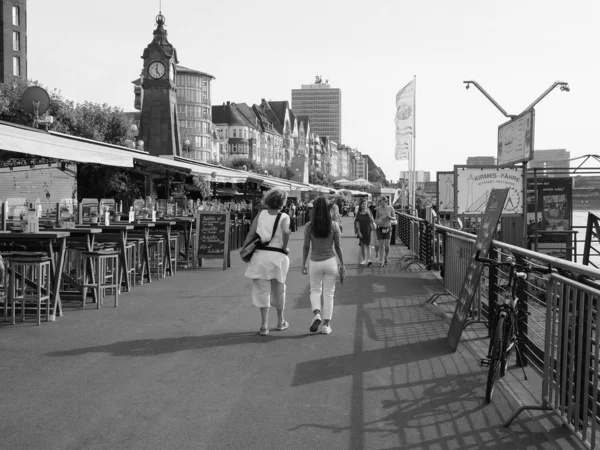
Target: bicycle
505, 335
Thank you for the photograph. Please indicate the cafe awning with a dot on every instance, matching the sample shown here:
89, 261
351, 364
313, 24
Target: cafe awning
31, 141
210, 172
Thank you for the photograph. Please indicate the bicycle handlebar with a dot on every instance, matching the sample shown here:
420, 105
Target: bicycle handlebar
527, 268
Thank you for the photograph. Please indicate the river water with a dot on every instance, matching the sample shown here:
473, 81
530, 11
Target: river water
579, 224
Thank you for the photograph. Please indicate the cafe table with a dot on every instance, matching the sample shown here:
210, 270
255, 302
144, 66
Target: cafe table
46, 238
166, 224
187, 225
122, 229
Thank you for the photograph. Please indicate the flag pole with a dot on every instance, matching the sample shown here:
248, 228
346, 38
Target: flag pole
414, 144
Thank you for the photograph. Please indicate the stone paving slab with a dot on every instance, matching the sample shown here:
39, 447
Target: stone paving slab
178, 365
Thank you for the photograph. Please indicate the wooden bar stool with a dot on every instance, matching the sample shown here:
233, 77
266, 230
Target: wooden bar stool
138, 259
130, 254
156, 247
174, 243
106, 265
30, 281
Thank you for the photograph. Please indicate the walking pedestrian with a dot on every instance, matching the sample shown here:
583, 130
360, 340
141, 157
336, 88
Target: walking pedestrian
292, 213
269, 265
322, 234
385, 218
363, 226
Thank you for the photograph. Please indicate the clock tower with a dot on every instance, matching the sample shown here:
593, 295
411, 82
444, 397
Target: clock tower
159, 128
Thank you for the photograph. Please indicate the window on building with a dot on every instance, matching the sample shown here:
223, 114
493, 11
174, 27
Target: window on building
234, 132
16, 41
16, 66
244, 132
16, 13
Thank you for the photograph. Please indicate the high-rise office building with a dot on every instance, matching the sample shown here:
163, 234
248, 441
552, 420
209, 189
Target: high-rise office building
557, 159
323, 105
481, 161
13, 50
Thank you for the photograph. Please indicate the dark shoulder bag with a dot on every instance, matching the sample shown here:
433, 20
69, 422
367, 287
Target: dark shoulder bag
256, 243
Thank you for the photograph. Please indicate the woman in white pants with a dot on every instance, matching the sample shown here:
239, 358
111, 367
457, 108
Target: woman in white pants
269, 266
323, 235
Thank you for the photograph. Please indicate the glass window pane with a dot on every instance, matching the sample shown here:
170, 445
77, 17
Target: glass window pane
16, 17
16, 66
16, 41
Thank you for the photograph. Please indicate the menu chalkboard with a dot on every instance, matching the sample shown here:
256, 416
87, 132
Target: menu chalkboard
482, 243
212, 230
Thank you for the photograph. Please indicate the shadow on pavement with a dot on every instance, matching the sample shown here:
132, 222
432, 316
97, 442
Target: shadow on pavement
151, 347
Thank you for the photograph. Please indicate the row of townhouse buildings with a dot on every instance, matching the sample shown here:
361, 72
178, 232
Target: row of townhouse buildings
270, 133
176, 116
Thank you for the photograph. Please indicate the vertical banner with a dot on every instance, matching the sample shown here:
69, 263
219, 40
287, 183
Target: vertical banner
405, 121
483, 242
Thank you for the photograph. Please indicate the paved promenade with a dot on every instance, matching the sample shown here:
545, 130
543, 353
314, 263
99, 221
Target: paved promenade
178, 365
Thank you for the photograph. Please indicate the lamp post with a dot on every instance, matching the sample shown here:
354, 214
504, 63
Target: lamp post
564, 86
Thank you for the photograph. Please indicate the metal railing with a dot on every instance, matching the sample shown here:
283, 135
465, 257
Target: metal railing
557, 319
571, 355
417, 235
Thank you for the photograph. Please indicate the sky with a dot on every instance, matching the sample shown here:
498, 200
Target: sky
515, 49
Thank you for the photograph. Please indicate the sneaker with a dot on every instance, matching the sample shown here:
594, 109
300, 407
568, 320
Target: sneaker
363, 263
314, 326
369, 263
382, 264
326, 329
386, 261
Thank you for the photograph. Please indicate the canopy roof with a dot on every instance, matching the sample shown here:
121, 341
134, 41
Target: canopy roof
32, 141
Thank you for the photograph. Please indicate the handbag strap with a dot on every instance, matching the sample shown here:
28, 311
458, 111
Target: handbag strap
274, 228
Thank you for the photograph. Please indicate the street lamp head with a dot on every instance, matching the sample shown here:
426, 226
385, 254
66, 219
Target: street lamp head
565, 87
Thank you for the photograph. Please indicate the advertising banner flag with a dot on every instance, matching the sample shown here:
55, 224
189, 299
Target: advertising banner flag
405, 121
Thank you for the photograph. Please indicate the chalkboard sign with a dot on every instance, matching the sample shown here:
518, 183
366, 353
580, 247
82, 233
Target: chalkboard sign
212, 231
482, 243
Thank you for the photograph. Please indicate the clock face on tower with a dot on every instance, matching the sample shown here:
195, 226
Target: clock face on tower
156, 70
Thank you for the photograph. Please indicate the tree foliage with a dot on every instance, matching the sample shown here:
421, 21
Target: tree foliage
98, 122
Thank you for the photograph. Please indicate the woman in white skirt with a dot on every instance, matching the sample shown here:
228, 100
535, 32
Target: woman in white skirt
269, 266
323, 235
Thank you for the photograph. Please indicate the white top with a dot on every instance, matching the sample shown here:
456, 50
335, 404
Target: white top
264, 228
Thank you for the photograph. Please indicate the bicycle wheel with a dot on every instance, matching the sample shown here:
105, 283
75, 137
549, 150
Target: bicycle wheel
496, 358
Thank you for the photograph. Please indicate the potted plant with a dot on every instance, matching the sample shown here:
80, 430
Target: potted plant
114, 216
94, 217
145, 213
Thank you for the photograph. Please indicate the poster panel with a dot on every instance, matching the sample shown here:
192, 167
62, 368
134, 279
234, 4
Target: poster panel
515, 139
554, 216
445, 192
473, 185
485, 235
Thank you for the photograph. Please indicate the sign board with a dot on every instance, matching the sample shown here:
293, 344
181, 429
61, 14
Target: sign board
445, 192
473, 185
483, 242
212, 231
551, 216
515, 139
